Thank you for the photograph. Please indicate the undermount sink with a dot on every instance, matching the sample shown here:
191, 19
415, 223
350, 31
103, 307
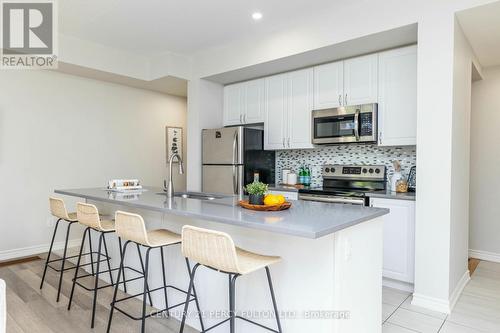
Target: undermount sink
195, 195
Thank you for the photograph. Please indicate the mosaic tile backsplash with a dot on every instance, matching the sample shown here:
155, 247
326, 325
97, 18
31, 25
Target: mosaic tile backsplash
344, 154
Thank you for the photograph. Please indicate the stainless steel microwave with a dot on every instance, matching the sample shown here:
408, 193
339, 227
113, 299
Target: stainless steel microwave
347, 124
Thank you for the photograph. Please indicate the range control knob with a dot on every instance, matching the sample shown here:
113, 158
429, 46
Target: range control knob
332, 170
377, 170
365, 170
327, 169
371, 170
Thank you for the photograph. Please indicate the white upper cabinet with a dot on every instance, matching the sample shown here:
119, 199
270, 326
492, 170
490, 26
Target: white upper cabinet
397, 100
244, 103
276, 112
300, 105
399, 238
233, 104
328, 85
289, 100
361, 80
254, 101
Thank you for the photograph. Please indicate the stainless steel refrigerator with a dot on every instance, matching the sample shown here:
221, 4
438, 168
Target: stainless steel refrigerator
232, 156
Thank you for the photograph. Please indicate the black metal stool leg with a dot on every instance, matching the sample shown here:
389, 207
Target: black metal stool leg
163, 267
232, 302
146, 291
77, 267
188, 296
96, 282
107, 257
50, 252
196, 299
120, 271
91, 254
145, 276
276, 313
63, 260
122, 268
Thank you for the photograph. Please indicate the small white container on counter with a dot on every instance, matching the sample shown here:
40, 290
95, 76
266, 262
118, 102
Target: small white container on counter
291, 178
284, 175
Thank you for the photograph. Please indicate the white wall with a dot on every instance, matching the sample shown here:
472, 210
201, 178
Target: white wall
205, 111
61, 131
484, 168
460, 154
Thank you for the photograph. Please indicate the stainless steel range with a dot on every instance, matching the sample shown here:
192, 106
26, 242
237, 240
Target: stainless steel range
347, 184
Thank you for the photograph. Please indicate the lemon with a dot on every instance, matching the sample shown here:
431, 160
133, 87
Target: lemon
273, 200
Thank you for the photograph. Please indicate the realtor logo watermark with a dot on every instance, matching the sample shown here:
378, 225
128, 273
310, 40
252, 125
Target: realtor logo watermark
29, 39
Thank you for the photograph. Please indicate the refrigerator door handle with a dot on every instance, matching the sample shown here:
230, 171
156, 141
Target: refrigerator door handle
235, 147
235, 179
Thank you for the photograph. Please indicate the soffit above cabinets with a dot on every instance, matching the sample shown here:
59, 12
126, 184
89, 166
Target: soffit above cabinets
405, 35
170, 85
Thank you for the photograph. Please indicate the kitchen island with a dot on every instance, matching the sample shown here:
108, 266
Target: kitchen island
330, 277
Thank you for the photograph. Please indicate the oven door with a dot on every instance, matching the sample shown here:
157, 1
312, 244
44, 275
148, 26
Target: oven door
345, 125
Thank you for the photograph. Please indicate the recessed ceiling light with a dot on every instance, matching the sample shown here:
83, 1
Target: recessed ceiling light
257, 16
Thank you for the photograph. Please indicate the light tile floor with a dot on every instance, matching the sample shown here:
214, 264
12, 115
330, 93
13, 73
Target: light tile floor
477, 310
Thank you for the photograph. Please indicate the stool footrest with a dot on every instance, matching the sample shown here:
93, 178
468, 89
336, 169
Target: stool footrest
255, 323
108, 284
192, 298
75, 256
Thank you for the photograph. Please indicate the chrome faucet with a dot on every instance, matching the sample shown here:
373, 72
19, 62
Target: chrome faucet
170, 187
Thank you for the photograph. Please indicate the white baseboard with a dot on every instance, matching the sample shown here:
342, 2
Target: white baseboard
400, 285
458, 289
442, 305
34, 250
485, 255
431, 303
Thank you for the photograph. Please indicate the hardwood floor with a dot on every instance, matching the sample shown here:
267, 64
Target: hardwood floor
31, 310
473, 263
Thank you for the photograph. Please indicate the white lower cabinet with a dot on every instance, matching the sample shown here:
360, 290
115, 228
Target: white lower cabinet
399, 238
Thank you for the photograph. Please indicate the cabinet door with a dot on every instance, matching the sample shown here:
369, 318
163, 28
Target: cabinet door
398, 97
287, 195
300, 94
360, 80
233, 101
275, 112
399, 239
328, 85
254, 101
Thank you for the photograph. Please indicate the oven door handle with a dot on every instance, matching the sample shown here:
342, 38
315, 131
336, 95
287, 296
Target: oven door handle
343, 200
356, 124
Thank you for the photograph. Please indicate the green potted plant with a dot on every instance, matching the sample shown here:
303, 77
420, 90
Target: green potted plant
256, 192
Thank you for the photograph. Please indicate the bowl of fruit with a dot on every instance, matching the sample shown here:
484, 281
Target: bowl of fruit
261, 200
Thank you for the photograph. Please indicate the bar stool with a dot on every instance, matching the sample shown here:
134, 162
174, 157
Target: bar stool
88, 215
216, 250
58, 209
131, 227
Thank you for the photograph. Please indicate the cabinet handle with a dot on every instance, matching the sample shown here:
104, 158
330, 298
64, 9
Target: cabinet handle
288, 142
345, 99
284, 143
340, 99
379, 138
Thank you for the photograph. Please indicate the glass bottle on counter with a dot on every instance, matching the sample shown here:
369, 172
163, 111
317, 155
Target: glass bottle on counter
307, 176
302, 174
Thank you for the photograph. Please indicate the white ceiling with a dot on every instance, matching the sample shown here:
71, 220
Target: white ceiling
182, 26
481, 25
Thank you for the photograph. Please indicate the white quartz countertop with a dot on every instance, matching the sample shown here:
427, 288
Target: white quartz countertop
304, 219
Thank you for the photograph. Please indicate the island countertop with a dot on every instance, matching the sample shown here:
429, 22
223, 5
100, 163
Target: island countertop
305, 219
